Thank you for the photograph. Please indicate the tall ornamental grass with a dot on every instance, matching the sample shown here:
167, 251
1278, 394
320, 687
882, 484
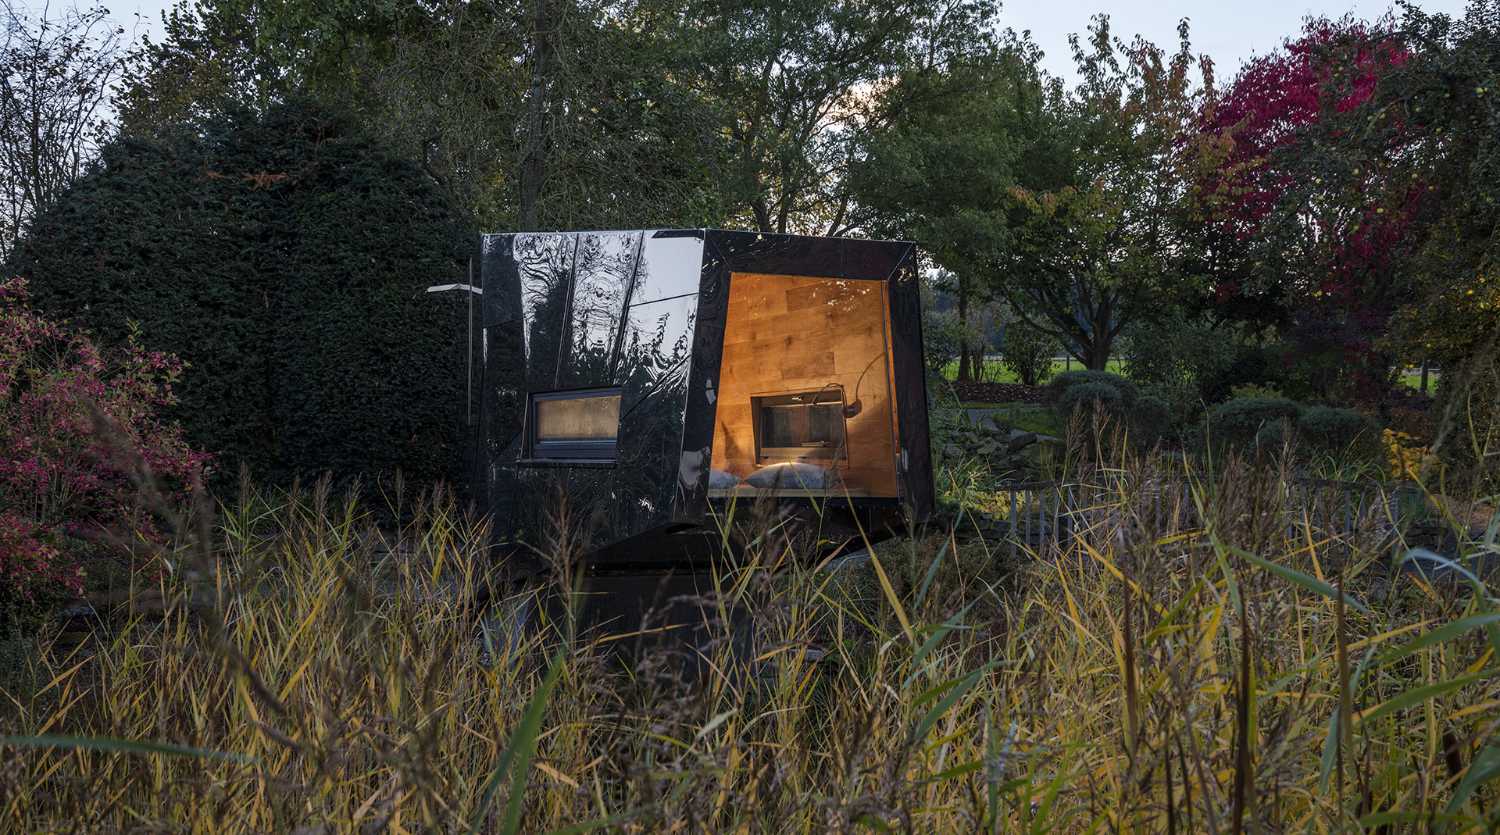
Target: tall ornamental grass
1203, 660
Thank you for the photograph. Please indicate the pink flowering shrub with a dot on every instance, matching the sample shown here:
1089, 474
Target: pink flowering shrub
78, 427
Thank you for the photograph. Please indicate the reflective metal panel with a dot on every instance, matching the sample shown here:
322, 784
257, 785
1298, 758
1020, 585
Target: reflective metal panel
500, 299
588, 310
525, 275
653, 368
523, 499
656, 344
669, 265
604, 267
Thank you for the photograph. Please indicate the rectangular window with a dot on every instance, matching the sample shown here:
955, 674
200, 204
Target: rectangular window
580, 425
800, 426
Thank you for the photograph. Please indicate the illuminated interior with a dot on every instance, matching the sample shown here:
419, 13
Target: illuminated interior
579, 424
804, 399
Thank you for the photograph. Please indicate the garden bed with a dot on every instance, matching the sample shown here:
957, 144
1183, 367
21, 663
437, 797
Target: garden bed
985, 392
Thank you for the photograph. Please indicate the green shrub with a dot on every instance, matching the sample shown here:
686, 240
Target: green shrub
1339, 432
1086, 396
1251, 365
942, 338
1238, 422
1173, 353
1151, 419
1272, 437
1255, 390
1127, 391
1027, 352
283, 256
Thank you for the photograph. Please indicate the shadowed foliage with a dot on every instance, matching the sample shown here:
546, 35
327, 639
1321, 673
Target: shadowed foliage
284, 257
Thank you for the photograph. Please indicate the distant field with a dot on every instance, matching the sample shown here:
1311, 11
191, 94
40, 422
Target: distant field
996, 373
1412, 378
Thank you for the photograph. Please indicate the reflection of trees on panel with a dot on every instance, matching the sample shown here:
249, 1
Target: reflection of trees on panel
604, 267
543, 266
657, 341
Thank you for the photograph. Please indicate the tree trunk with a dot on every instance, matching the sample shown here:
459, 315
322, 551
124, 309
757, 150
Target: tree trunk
965, 371
1100, 340
534, 157
1094, 351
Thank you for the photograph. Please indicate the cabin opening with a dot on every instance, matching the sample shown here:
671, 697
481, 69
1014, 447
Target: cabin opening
804, 403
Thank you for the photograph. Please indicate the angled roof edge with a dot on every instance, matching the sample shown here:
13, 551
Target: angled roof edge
704, 230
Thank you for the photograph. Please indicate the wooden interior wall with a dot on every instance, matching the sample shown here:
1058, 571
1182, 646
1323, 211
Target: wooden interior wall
786, 334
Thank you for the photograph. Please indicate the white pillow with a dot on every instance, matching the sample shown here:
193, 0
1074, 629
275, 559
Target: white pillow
795, 475
721, 480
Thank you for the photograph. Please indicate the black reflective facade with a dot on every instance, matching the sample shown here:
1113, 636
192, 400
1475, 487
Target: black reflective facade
644, 311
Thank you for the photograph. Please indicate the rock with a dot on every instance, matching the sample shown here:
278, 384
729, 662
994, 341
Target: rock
1019, 439
951, 451
1040, 456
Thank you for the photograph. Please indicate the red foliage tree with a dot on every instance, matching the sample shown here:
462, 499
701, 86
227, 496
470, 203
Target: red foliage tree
1303, 236
78, 428
1332, 68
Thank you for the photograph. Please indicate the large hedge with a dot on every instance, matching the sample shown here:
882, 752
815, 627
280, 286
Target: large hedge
283, 256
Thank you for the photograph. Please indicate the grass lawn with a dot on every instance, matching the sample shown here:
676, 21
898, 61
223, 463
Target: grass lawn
1412, 379
994, 372
1031, 417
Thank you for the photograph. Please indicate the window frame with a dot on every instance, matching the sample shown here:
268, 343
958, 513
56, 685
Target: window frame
594, 452
775, 455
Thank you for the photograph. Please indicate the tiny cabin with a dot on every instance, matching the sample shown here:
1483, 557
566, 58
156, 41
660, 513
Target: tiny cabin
645, 380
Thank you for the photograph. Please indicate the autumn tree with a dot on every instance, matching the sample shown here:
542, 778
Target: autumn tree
1440, 111
1097, 242
1303, 231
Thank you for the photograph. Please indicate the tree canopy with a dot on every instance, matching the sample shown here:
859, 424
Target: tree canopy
1328, 210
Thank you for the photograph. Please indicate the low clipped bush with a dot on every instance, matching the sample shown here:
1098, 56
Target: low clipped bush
1273, 437
1089, 396
1337, 431
1151, 419
1238, 422
1060, 385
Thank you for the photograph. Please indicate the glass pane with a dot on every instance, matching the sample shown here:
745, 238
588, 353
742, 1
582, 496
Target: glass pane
586, 418
803, 425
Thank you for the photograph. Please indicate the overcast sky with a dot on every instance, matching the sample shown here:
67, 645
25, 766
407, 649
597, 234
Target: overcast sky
1228, 32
